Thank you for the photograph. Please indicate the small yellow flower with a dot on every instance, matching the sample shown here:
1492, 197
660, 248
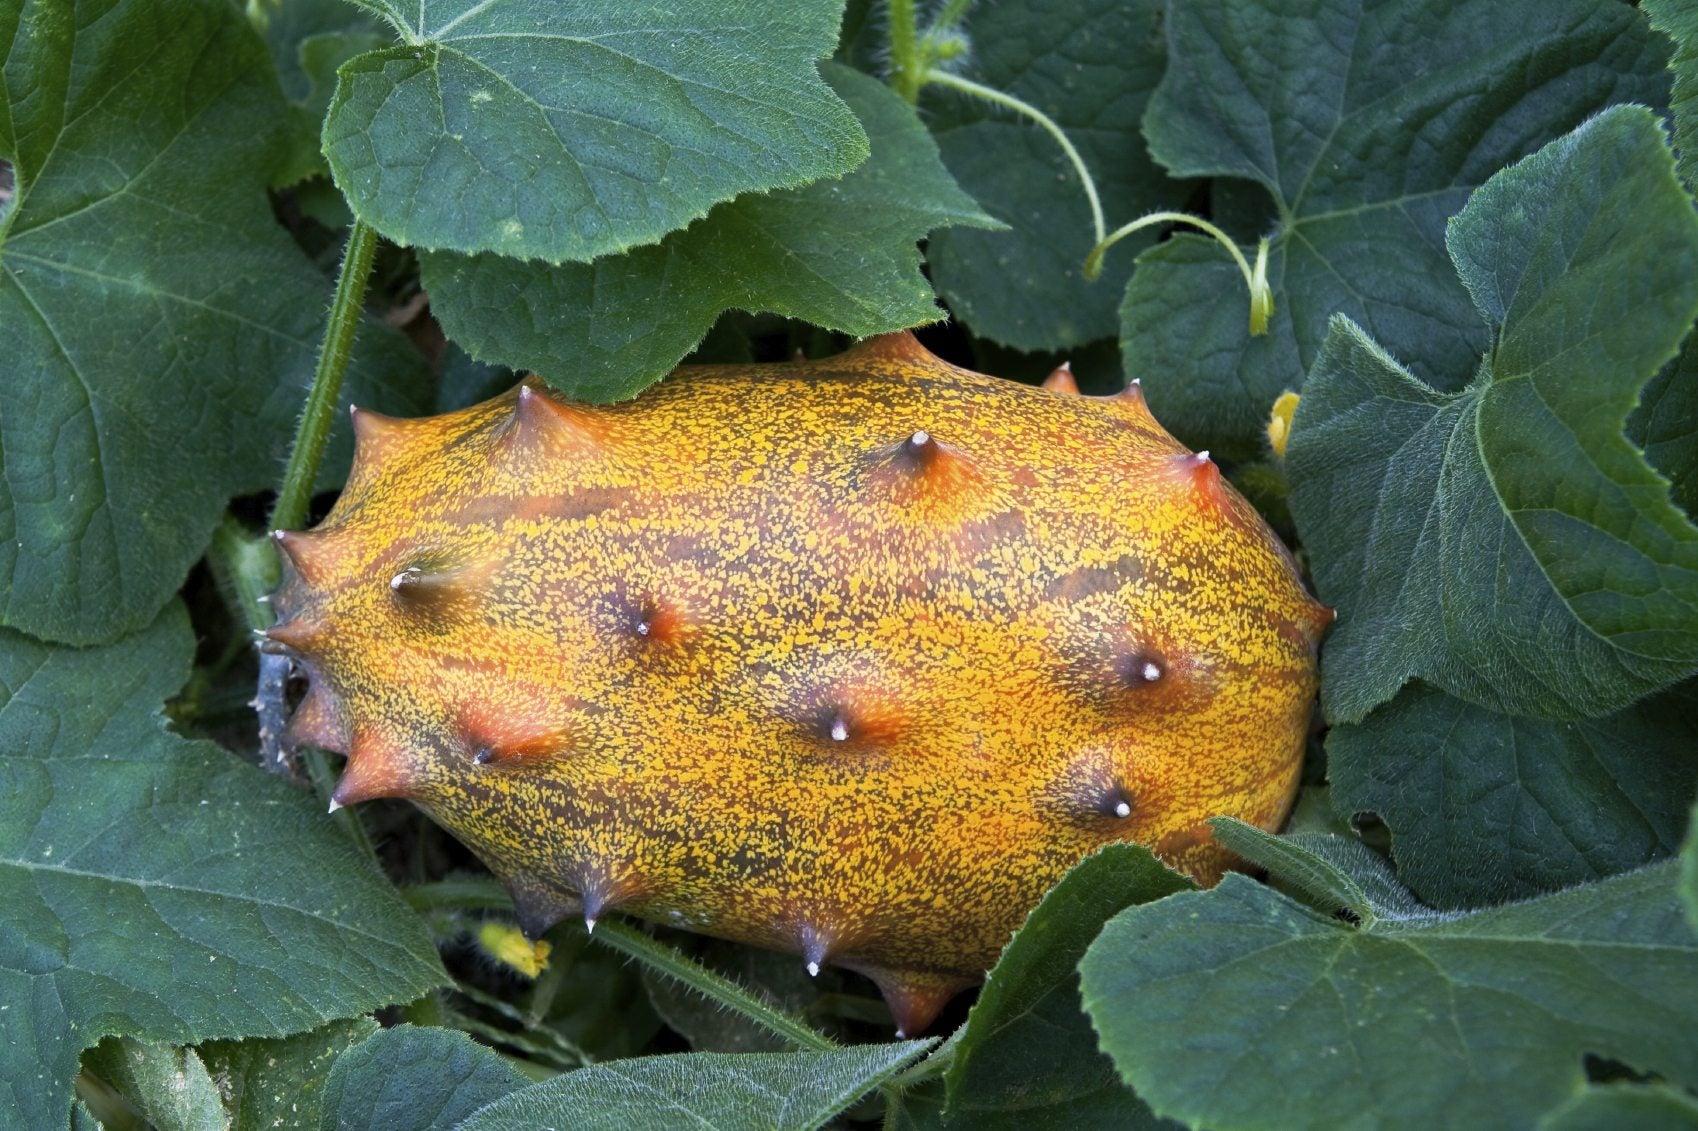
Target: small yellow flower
1279, 422
508, 945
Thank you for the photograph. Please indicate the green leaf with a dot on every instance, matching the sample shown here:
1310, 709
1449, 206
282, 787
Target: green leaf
563, 133
777, 1091
1329, 872
1507, 543
279, 1084
777, 979
1679, 21
1090, 65
308, 40
1368, 124
159, 328
840, 254
1625, 1107
168, 1086
154, 887
1239, 1008
1484, 807
1665, 426
1028, 1052
1689, 870
411, 1079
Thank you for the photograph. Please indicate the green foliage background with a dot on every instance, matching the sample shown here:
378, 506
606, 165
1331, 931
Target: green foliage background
1483, 252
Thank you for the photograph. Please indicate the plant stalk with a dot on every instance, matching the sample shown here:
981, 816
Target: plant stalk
319, 415
716, 987
1026, 109
907, 68
1255, 278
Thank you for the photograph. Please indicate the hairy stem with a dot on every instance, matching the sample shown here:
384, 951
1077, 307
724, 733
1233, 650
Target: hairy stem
1255, 278
715, 987
907, 68
241, 565
319, 415
1026, 109
952, 13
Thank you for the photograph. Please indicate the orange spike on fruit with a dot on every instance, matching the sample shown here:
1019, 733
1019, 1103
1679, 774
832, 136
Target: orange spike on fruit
374, 432
298, 635
851, 657
302, 553
1061, 380
317, 722
377, 767
915, 1003
542, 423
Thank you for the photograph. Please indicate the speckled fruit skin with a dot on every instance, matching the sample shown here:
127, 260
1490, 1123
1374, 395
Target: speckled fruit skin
852, 658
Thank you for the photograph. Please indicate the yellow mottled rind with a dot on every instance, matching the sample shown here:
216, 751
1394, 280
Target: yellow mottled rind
748, 655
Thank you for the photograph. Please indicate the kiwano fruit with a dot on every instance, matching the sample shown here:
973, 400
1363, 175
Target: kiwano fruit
852, 658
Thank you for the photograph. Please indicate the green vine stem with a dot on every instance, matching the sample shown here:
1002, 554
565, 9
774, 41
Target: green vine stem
1255, 278
716, 987
913, 56
319, 415
1020, 106
907, 67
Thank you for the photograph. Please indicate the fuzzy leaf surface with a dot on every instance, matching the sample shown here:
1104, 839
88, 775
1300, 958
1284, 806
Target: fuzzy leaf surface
1625, 1107
1507, 543
1689, 870
1665, 426
796, 1091
413, 1079
279, 1084
1369, 124
158, 328
1327, 871
147, 885
1679, 21
1091, 66
840, 254
566, 132
1440, 1020
170, 1087
1027, 1047
308, 40
1486, 807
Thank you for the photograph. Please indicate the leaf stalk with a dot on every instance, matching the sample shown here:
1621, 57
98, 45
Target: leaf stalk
669, 961
1255, 277
319, 415
1020, 106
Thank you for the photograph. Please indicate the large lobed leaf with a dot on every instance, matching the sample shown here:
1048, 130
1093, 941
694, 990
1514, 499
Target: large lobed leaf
1368, 123
1240, 1008
796, 1091
159, 888
412, 1079
1485, 807
1091, 66
568, 131
1028, 1053
1506, 543
157, 328
840, 254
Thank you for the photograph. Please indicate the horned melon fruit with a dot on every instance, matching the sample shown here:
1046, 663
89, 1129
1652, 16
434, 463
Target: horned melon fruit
852, 658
